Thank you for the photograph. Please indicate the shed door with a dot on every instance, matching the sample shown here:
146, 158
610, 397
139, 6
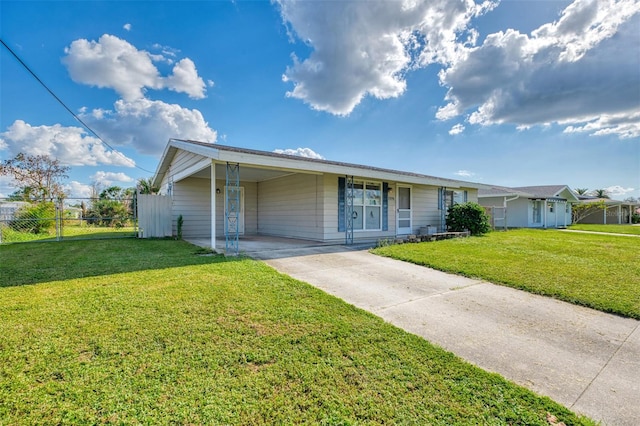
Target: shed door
403, 204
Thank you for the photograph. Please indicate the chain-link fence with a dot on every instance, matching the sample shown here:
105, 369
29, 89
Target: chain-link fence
77, 218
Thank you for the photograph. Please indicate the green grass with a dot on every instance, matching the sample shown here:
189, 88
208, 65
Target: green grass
71, 232
599, 271
153, 332
614, 229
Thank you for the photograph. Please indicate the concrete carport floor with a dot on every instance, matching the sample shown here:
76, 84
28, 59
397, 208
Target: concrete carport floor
585, 359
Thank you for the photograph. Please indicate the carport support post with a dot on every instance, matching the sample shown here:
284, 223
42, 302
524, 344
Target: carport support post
213, 205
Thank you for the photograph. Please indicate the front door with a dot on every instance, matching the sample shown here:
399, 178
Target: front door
403, 211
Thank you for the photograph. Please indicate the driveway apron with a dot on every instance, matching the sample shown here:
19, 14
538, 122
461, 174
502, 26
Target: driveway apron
585, 359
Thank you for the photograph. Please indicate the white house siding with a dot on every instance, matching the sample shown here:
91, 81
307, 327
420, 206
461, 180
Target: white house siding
291, 206
424, 208
520, 214
559, 218
250, 207
183, 161
491, 201
180, 164
192, 200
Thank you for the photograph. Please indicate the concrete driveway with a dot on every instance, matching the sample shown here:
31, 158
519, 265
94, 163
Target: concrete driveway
587, 360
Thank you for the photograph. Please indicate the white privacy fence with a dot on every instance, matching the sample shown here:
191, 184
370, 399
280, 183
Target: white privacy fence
154, 216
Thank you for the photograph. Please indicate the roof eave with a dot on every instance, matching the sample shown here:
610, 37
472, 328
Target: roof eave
221, 153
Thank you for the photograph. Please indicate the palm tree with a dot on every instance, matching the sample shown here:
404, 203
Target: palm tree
145, 186
581, 191
601, 193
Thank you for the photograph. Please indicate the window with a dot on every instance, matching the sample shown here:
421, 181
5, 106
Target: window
550, 205
454, 197
367, 205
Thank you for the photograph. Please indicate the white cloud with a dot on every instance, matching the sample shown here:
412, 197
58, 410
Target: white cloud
114, 63
127, 26
464, 173
618, 190
580, 71
624, 125
148, 125
185, 79
70, 145
166, 50
456, 129
365, 48
75, 189
300, 152
108, 178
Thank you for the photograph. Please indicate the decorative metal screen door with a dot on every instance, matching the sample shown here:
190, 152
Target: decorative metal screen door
349, 210
232, 208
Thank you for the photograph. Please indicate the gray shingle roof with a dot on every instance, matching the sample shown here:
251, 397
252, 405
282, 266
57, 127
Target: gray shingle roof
540, 191
543, 191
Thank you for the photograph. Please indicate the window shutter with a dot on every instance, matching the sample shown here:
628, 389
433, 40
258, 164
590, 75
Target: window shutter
341, 204
385, 206
465, 196
440, 198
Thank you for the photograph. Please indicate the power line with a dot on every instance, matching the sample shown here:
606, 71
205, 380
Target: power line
86, 126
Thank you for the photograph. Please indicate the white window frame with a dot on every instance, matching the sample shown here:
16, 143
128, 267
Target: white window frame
362, 202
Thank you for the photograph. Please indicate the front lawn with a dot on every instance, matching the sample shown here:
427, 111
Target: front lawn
613, 229
599, 271
160, 332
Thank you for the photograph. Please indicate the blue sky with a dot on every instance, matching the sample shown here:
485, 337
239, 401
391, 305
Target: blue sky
510, 93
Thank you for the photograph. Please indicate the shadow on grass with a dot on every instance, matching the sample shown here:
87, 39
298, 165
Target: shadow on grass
22, 264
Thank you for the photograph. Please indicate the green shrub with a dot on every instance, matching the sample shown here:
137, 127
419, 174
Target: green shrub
111, 213
468, 216
35, 219
179, 226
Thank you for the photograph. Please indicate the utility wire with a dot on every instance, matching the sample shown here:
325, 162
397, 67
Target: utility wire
86, 126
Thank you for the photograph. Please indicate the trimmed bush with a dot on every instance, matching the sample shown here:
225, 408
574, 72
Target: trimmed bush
468, 216
35, 219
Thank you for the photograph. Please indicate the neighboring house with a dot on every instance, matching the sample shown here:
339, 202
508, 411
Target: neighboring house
531, 206
243, 191
8, 209
615, 212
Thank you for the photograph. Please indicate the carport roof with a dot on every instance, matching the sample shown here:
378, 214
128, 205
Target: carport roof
292, 163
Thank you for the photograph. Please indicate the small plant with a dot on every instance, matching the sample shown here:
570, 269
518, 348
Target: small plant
468, 217
179, 226
384, 242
